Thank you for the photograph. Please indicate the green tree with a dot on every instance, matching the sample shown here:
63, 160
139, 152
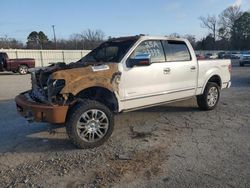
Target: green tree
206, 43
32, 40
37, 40
42, 39
240, 35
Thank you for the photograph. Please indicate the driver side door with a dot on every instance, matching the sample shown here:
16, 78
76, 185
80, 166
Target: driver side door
142, 85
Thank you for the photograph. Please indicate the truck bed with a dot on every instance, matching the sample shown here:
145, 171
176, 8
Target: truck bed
221, 67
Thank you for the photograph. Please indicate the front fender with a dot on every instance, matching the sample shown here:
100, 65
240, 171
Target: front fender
75, 86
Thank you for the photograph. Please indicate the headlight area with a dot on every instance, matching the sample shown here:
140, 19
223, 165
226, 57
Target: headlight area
54, 87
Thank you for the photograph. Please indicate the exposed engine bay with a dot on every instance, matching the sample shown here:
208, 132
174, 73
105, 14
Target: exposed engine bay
43, 87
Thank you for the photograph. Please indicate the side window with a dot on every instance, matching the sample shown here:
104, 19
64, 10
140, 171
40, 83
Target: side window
152, 47
176, 51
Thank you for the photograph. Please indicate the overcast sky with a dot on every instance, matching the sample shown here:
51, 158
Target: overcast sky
114, 17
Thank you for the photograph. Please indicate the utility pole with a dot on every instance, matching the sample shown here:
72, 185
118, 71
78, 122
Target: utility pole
53, 26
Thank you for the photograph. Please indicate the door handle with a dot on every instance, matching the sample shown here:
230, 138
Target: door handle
193, 68
166, 70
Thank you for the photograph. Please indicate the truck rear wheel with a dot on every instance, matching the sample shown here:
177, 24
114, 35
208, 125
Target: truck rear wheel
23, 69
89, 124
209, 99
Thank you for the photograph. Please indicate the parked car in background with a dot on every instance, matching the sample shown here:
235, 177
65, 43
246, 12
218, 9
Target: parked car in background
200, 56
208, 55
229, 55
235, 55
214, 56
121, 75
245, 58
221, 55
15, 65
211, 56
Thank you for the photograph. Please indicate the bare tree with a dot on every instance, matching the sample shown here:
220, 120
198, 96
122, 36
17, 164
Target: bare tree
174, 35
227, 19
6, 42
210, 23
93, 35
78, 40
92, 38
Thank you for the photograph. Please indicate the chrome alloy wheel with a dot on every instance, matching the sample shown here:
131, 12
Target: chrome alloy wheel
212, 96
92, 125
23, 70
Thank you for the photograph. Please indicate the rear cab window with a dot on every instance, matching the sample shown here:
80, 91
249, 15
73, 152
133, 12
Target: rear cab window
176, 51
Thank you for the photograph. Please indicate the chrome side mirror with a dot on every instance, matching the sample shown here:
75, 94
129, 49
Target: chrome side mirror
142, 59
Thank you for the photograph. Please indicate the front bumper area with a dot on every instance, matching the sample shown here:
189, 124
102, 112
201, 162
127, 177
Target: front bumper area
226, 85
40, 112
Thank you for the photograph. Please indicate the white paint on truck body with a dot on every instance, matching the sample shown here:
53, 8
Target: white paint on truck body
144, 86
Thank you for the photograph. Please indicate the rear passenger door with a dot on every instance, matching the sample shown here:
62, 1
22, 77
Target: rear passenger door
180, 69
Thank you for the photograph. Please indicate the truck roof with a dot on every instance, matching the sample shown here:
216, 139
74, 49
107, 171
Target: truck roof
145, 37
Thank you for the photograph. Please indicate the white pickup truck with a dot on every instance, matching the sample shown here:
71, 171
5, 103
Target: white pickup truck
122, 74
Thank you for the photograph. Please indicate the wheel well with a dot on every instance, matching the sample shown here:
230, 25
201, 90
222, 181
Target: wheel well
101, 95
215, 79
24, 65
21, 65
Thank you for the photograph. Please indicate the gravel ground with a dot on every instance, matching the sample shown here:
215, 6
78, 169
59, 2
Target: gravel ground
168, 146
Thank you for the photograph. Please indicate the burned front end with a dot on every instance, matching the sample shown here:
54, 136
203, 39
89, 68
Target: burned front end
59, 86
45, 89
44, 101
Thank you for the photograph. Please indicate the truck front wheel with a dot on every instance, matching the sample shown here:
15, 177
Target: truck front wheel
89, 124
209, 99
23, 69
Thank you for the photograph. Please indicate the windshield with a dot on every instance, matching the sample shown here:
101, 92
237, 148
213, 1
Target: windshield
110, 51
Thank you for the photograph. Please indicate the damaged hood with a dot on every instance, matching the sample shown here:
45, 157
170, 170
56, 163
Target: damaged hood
78, 76
77, 79
52, 67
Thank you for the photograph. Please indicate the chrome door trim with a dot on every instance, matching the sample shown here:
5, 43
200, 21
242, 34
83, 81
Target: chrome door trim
158, 94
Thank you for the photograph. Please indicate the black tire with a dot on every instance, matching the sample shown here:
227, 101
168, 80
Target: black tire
23, 69
75, 115
242, 64
202, 100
